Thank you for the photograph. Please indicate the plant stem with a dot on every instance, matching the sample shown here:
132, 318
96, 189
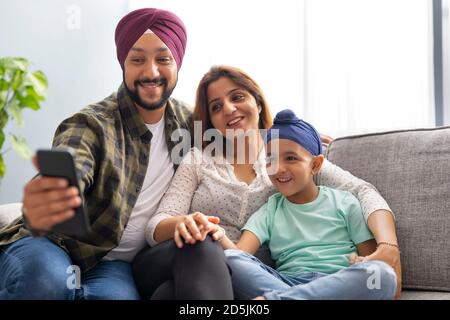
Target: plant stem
7, 98
11, 83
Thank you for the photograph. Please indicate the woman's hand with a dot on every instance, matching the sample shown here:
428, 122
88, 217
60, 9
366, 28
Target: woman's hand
388, 254
326, 139
195, 227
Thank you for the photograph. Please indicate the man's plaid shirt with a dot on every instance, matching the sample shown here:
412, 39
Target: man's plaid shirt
112, 146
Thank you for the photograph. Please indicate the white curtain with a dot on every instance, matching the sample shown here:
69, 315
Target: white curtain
346, 66
369, 65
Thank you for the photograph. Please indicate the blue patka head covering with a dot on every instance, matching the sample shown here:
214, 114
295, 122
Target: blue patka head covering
292, 128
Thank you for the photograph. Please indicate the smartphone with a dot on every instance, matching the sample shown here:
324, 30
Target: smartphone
60, 163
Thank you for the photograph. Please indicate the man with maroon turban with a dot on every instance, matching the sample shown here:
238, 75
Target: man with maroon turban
123, 159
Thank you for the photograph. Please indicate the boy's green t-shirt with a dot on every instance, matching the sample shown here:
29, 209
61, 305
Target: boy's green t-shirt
314, 237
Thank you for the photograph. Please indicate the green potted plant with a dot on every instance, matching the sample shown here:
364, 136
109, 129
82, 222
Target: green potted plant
19, 89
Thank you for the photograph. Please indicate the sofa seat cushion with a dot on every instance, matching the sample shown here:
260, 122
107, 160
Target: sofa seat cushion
424, 295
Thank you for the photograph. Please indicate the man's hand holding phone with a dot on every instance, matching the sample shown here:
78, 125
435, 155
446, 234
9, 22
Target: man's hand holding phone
49, 201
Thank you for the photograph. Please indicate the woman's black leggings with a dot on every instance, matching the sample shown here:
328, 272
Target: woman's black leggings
194, 272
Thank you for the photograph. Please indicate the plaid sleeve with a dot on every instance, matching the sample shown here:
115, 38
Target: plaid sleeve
81, 133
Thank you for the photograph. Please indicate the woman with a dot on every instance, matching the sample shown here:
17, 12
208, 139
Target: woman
207, 185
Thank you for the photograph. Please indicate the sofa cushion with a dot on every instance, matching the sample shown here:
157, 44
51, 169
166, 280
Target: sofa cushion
424, 295
9, 212
411, 170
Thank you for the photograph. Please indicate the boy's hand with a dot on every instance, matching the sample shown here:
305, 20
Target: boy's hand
194, 227
354, 258
326, 139
213, 228
217, 232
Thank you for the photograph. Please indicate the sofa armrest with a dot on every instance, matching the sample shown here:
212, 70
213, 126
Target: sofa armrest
9, 212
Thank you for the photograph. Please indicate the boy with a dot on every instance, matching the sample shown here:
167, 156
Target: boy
312, 231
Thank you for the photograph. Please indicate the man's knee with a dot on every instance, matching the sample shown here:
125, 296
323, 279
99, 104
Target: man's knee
112, 291
41, 271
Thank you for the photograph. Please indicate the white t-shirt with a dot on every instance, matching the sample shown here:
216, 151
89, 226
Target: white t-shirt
157, 179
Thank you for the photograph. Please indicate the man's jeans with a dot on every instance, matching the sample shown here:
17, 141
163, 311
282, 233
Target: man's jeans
36, 268
366, 280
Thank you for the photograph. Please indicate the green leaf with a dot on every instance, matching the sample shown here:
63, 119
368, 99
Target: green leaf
20, 146
29, 102
4, 85
31, 92
38, 81
18, 80
16, 112
14, 63
2, 167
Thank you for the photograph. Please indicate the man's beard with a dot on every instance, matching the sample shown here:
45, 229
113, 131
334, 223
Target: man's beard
134, 94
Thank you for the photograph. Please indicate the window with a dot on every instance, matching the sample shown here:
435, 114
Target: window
369, 65
446, 60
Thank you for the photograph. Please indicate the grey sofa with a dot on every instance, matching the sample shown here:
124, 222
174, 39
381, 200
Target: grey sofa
411, 169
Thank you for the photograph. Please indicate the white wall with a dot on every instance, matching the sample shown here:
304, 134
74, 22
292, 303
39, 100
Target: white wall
80, 64
262, 37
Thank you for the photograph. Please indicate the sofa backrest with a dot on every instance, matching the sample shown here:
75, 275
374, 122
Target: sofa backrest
411, 170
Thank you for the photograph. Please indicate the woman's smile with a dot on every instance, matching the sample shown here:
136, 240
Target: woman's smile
235, 122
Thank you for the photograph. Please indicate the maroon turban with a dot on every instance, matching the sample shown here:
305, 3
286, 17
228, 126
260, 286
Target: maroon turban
166, 25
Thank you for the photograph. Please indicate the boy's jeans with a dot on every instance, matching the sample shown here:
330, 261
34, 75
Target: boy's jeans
36, 268
366, 280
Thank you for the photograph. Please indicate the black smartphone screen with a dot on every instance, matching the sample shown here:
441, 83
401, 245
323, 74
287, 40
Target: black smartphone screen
60, 163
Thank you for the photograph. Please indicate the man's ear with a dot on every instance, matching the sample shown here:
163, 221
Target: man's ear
317, 163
